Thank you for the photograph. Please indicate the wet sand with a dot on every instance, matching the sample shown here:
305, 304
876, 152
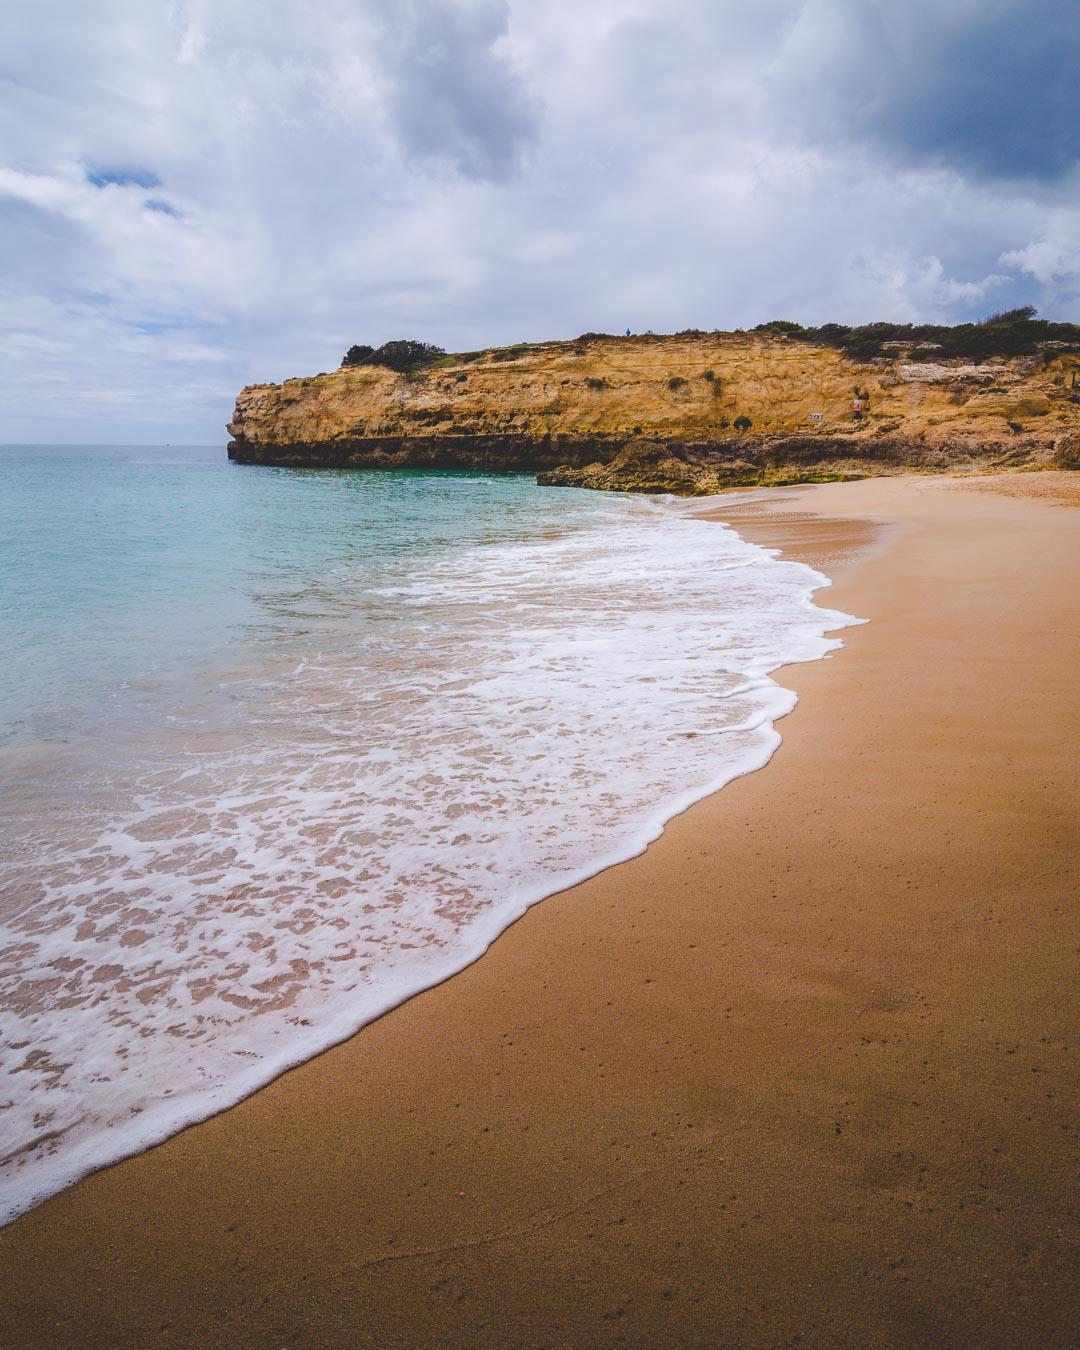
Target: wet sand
797, 1075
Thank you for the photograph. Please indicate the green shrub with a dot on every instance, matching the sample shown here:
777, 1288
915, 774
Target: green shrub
676, 382
402, 355
1014, 332
863, 344
594, 383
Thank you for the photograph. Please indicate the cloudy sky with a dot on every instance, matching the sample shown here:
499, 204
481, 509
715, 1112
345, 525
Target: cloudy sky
200, 194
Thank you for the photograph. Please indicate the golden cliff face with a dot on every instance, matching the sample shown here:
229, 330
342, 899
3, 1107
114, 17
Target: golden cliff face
729, 407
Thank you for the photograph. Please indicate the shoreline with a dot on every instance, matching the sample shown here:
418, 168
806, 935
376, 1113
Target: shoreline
51, 1163
572, 1140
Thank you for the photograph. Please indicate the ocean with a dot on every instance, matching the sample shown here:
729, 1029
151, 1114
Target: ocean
280, 748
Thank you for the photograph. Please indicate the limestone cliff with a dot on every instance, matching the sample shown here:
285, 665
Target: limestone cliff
690, 413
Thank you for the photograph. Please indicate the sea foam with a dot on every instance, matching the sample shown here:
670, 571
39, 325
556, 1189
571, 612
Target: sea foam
227, 899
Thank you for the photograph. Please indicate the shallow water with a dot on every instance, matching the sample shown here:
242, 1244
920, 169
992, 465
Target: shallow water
279, 748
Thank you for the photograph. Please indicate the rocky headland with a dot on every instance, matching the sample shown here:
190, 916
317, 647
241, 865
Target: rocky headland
692, 413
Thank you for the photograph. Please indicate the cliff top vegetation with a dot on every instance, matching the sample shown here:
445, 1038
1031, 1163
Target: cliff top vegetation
402, 354
1015, 332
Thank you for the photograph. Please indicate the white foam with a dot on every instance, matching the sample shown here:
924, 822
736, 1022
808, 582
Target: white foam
523, 716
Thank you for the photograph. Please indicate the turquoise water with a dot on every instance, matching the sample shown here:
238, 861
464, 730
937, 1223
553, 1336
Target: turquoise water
279, 749
126, 571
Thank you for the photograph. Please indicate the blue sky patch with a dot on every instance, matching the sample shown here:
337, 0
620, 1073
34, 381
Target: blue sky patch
123, 178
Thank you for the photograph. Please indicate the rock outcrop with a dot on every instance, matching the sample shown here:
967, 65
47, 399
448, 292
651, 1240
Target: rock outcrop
684, 414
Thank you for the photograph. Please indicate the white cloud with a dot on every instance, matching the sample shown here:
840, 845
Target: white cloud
1048, 258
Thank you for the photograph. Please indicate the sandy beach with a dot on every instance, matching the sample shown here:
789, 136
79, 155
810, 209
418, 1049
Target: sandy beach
797, 1075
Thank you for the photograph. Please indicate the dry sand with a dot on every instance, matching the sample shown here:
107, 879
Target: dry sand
798, 1074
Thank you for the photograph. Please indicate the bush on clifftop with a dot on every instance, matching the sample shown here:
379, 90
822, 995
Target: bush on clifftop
1015, 332
401, 355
